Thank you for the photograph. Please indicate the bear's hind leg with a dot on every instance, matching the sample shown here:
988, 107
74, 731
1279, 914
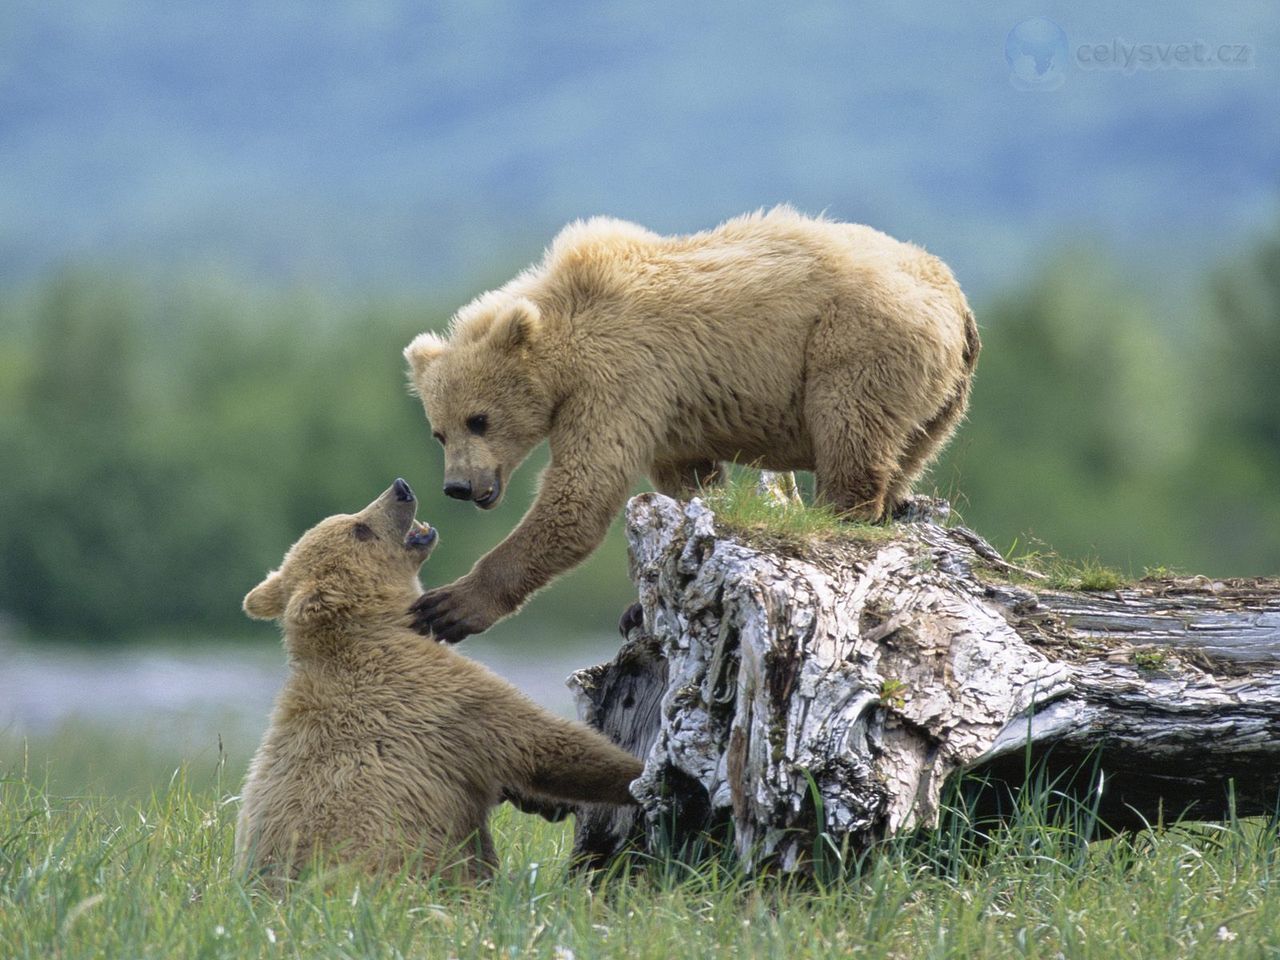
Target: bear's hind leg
472, 860
857, 448
682, 479
925, 444
484, 863
872, 379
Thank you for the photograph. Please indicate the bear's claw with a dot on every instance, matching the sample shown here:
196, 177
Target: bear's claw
432, 617
631, 618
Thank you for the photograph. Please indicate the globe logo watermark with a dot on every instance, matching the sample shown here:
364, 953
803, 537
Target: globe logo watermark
1037, 53
1039, 56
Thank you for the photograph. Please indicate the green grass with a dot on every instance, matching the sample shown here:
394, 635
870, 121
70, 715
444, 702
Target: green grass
1151, 660
1086, 574
80, 758
100, 876
1063, 573
740, 507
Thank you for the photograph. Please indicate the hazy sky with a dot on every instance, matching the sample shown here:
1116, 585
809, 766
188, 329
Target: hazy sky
434, 148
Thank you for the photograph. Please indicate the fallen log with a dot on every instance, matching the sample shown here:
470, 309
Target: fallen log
785, 694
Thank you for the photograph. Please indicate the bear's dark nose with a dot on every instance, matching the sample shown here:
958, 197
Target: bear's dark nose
404, 492
458, 489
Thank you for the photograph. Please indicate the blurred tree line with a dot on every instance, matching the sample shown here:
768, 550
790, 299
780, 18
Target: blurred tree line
1102, 429
161, 449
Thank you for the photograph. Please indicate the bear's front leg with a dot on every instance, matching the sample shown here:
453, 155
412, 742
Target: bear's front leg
577, 500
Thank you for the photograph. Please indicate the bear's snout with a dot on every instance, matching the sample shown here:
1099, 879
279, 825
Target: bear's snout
391, 515
486, 492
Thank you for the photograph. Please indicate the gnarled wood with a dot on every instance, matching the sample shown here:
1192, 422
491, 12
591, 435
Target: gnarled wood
781, 693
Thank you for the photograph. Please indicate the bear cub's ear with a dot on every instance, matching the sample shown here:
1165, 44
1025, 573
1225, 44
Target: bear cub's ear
266, 600
516, 325
310, 605
422, 350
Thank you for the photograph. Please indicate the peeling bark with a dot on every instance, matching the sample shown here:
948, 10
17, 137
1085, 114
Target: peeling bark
780, 693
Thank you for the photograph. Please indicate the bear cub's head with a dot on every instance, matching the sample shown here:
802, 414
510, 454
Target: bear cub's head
482, 393
350, 568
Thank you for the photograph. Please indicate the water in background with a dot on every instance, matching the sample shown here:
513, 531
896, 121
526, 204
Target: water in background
187, 703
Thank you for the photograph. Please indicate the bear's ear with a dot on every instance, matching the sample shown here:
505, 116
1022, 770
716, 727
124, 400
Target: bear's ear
422, 350
266, 600
310, 604
516, 326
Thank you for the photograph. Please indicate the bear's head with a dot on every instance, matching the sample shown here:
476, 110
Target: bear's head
482, 394
349, 569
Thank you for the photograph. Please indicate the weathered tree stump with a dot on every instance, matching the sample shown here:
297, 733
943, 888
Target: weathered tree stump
779, 693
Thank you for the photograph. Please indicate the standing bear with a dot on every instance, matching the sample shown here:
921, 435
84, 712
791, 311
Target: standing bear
776, 339
386, 748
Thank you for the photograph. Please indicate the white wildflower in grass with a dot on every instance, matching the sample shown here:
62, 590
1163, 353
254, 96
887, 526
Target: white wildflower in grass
1225, 935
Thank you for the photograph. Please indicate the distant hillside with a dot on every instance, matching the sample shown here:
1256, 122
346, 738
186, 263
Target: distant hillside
423, 147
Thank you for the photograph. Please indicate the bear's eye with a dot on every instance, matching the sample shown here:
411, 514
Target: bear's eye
363, 531
439, 436
478, 424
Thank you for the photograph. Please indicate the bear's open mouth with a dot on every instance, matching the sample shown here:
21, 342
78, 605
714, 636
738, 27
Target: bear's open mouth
420, 536
491, 496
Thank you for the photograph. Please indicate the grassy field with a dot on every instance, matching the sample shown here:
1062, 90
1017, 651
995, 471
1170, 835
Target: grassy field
91, 874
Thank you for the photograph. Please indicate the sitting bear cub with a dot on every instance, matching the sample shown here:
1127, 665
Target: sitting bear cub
386, 748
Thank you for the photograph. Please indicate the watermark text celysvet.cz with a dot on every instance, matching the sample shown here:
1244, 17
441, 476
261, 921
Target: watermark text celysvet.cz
1117, 54
1040, 55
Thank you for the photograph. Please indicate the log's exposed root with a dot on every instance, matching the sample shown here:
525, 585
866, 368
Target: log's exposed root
788, 698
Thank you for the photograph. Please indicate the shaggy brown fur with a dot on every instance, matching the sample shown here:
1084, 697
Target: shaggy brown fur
775, 339
387, 748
